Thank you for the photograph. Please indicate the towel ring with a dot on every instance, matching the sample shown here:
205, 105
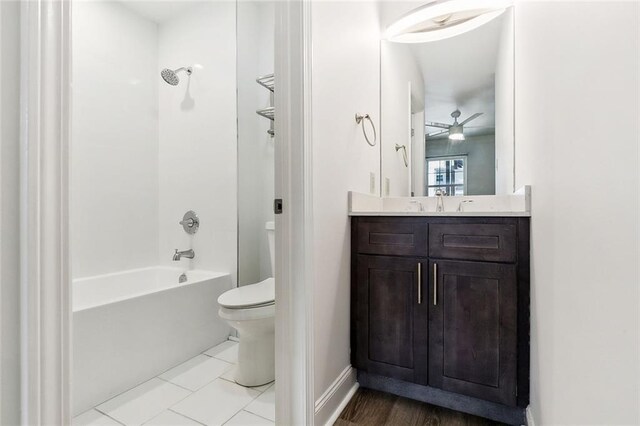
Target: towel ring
360, 120
404, 153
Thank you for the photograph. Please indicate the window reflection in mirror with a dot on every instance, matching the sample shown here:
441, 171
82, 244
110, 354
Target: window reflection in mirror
447, 174
451, 103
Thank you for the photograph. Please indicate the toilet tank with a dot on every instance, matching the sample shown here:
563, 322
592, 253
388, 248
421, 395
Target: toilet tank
271, 238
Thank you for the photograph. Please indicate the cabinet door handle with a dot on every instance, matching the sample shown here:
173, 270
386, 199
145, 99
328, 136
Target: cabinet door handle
419, 283
435, 284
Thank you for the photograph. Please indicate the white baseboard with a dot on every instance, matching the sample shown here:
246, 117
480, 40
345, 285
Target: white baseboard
529, 413
329, 406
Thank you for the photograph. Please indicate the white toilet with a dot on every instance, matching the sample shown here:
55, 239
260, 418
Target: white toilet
250, 309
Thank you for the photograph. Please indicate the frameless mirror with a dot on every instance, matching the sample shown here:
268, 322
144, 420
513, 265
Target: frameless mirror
447, 107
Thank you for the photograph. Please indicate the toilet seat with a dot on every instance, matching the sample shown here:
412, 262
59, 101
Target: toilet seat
248, 314
252, 296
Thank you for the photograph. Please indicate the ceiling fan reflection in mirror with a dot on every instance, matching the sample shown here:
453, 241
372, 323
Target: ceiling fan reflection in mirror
455, 130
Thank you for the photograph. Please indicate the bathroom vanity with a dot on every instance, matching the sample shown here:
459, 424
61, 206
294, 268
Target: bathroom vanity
440, 309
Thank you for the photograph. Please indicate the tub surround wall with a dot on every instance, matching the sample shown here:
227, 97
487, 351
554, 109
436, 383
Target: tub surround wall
144, 152
197, 137
114, 149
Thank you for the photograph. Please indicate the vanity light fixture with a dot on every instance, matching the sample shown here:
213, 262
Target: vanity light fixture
441, 19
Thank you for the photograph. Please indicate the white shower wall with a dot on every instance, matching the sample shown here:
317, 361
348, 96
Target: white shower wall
114, 148
144, 152
255, 146
197, 138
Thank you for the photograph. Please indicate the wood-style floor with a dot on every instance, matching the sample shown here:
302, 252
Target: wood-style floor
369, 407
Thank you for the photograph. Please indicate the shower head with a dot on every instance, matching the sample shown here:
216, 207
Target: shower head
171, 76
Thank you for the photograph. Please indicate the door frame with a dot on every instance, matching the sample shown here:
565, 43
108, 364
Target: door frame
45, 281
295, 403
45, 293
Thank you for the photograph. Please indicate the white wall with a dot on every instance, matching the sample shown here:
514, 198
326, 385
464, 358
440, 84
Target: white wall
9, 214
577, 85
114, 149
345, 81
255, 147
504, 114
197, 137
390, 10
418, 155
402, 92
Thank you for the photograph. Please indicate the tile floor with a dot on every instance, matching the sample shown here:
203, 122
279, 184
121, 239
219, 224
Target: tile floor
200, 391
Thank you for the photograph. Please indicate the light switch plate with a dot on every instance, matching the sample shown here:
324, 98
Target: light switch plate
387, 186
372, 183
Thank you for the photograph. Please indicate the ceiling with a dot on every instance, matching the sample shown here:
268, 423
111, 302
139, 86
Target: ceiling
159, 11
459, 74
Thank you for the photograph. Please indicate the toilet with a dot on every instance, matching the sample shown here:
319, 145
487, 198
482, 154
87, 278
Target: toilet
250, 309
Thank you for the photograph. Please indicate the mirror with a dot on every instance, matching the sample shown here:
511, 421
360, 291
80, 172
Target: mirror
447, 110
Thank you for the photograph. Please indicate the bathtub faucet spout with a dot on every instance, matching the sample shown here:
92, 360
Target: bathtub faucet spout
189, 254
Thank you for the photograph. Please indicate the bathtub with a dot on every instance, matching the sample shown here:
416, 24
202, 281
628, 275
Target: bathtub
130, 326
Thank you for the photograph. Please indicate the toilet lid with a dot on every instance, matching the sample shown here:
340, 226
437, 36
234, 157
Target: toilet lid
249, 296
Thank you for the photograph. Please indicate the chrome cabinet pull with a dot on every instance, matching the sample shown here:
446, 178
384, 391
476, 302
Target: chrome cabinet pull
419, 283
435, 284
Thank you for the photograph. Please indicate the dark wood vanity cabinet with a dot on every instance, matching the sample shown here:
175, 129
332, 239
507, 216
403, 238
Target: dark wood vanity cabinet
440, 310
472, 330
391, 340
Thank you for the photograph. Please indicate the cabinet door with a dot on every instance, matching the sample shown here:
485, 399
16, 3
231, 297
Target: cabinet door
472, 329
391, 320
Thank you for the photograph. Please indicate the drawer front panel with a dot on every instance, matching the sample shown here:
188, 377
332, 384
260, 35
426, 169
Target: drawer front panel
392, 238
484, 242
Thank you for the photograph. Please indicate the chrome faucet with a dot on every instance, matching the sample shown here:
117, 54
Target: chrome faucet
439, 201
417, 204
462, 203
189, 254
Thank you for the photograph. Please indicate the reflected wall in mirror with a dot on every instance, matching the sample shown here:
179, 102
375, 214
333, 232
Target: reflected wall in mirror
449, 103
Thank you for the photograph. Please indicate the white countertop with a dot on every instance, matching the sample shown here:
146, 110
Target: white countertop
444, 214
517, 204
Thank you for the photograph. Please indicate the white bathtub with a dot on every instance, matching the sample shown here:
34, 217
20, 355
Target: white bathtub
131, 326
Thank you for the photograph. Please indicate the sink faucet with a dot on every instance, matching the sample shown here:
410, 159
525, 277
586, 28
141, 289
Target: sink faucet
439, 201
189, 254
418, 206
460, 206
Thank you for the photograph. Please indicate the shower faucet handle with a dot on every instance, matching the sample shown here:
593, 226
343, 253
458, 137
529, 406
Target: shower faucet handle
190, 222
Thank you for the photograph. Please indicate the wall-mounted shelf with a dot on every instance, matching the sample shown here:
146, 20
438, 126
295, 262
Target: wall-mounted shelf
267, 113
268, 82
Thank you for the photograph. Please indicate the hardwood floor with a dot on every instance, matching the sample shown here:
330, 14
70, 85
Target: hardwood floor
369, 407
